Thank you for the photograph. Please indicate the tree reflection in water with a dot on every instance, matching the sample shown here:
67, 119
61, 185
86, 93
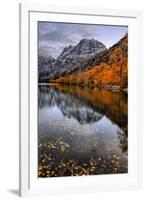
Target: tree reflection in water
82, 131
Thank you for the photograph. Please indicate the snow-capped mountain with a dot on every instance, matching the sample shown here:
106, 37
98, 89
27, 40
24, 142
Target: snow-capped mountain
72, 58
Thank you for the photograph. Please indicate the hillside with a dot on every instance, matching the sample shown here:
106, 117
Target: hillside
72, 58
107, 69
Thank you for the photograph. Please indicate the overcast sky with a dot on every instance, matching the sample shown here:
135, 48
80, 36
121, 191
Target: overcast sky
53, 37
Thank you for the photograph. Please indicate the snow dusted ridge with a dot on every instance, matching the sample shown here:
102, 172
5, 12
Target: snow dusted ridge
72, 58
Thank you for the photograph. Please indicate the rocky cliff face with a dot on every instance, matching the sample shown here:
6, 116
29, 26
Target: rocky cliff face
108, 68
85, 48
73, 58
88, 63
45, 65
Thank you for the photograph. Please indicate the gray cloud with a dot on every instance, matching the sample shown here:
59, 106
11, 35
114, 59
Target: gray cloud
53, 37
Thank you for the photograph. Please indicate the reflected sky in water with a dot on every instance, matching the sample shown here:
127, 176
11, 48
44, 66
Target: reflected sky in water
93, 122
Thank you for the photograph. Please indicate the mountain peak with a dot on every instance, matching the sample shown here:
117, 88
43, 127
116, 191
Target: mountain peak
72, 57
89, 46
66, 51
85, 47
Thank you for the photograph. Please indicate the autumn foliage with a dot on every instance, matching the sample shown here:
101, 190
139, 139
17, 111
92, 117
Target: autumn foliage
113, 71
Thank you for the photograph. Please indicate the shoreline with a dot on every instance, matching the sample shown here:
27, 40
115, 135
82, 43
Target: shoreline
113, 88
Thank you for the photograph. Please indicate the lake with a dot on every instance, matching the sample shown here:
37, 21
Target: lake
81, 131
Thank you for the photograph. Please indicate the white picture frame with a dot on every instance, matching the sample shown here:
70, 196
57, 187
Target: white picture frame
29, 183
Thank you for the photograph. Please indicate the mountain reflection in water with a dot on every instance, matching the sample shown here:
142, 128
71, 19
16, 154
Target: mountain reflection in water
81, 131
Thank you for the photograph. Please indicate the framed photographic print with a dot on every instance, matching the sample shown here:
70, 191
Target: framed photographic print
80, 100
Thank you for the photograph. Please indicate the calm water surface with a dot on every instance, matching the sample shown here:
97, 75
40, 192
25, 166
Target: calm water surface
81, 131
